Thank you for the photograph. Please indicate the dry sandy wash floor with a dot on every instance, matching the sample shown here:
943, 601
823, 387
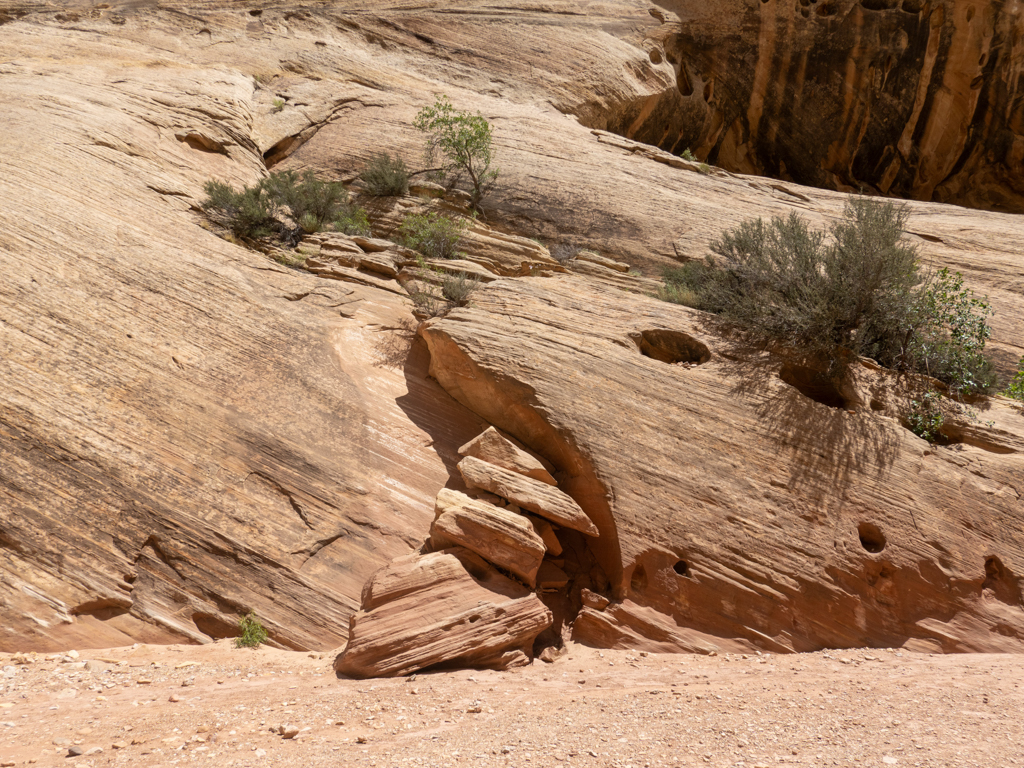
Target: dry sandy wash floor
215, 705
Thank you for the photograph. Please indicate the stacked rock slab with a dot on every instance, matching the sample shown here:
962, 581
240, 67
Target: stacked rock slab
452, 606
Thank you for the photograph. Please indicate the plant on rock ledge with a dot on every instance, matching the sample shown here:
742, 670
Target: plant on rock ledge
461, 142
857, 290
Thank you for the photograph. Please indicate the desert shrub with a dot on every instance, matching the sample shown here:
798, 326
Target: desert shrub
434, 235
250, 213
457, 288
564, 252
688, 155
278, 105
856, 290
461, 143
385, 176
1016, 387
262, 209
253, 632
352, 220
309, 200
925, 417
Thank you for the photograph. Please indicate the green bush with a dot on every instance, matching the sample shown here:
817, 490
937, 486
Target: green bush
858, 290
457, 288
253, 632
250, 213
309, 203
432, 234
385, 176
925, 417
461, 142
1016, 388
353, 221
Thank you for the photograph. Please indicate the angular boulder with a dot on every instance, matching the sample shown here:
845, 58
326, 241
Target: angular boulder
547, 533
495, 448
497, 534
443, 608
539, 498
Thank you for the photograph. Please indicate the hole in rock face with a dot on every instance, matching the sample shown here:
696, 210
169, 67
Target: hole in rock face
639, 579
673, 347
214, 626
813, 384
681, 568
256, 12
877, 405
871, 537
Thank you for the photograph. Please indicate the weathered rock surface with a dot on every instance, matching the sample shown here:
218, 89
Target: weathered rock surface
495, 448
914, 99
728, 500
538, 497
499, 535
189, 431
447, 608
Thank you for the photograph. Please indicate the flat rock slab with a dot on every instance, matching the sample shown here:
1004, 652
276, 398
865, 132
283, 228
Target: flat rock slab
497, 534
495, 448
537, 497
448, 607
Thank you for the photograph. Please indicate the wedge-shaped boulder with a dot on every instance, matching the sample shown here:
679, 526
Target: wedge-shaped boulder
448, 608
530, 494
497, 534
547, 533
493, 447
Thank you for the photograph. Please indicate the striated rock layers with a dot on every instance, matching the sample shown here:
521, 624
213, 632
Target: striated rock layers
740, 501
190, 430
913, 98
451, 606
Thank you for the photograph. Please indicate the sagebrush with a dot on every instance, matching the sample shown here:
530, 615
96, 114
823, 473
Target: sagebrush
434, 235
385, 176
856, 290
286, 205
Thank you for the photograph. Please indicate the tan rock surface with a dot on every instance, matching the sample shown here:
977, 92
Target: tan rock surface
188, 430
446, 607
727, 499
497, 534
538, 497
495, 448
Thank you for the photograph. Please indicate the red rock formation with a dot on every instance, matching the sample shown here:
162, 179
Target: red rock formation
912, 98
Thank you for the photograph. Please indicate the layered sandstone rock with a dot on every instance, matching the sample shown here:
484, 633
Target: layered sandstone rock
738, 505
550, 503
445, 608
189, 430
495, 448
500, 536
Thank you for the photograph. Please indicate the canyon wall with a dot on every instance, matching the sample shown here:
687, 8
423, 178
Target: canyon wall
910, 98
190, 430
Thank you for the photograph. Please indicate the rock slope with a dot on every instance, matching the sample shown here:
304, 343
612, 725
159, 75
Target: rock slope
189, 430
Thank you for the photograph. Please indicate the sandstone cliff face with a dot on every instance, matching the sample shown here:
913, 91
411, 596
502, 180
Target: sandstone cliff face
189, 430
916, 99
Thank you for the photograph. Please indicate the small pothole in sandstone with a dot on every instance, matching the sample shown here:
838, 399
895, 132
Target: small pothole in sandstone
871, 537
673, 347
639, 579
813, 384
682, 568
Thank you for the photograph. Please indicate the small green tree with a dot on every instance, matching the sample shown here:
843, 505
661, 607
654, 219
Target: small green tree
461, 142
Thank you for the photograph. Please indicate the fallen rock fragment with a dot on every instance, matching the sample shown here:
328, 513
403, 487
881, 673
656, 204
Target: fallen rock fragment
547, 533
537, 497
448, 607
497, 534
495, 448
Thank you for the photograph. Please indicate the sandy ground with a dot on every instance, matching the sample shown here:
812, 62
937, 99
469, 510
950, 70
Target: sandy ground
216, 705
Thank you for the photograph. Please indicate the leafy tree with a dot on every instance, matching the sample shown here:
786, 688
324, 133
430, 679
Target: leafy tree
461, 142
